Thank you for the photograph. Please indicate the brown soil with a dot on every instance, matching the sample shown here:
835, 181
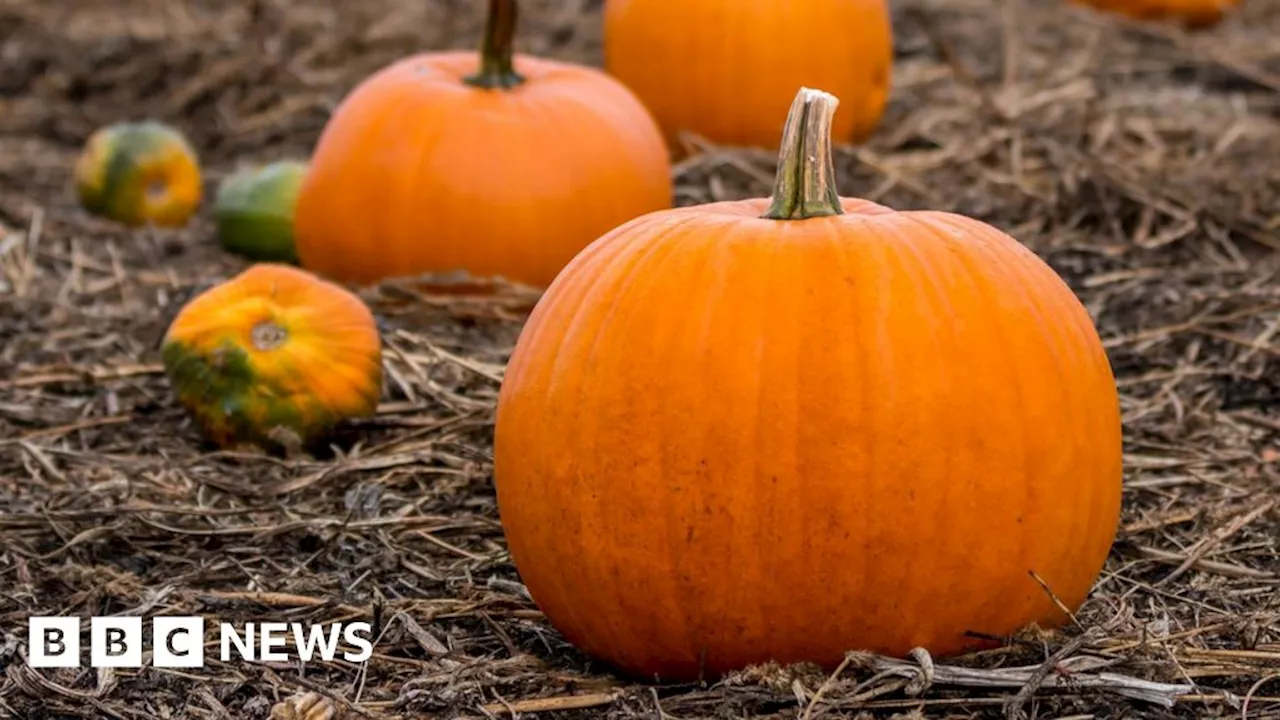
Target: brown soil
1139, 160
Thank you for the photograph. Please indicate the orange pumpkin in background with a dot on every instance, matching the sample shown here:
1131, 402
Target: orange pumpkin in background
492, 164
727, 69
1191, 13
275, 358
788, 429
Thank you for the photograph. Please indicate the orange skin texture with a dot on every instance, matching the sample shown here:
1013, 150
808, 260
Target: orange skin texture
327, 368
723, 439
418, 172
727, 70
1192, 13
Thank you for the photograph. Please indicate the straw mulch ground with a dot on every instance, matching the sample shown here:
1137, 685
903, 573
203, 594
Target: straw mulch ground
1140, 161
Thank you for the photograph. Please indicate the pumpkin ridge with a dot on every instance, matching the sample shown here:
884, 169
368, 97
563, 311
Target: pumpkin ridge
696, 324
849, 270
645, 280
979, 245
572, 107
719, 270
1056, 342
619, 281
383, 224
546, 121
427, 145
349, 381
1012, 585
570, 293
602, 252
1059, 345
353, 246
782, 331
1070, 339
623, 284
340, 320
957, 270
882, 399
932, 483
1087, 331
760, 502
338, 352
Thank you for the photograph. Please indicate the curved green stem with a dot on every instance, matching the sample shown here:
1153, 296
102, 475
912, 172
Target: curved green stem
497, 70
805, 186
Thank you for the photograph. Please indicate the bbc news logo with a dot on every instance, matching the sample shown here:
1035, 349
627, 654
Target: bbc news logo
178, 642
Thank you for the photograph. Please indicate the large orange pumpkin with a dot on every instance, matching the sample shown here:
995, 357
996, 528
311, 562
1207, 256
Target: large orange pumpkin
1192, 13
275, 358
495, 165
788, 429
727, 69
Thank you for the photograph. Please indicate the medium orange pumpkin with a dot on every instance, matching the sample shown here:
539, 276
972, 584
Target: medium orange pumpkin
274, 357
495, 165
1192, 13
727, 69
784, 430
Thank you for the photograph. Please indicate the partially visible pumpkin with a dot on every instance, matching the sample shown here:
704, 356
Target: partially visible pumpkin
139, 173
254, 211
727, 69
1194, 14
491, 164
274, 357
783, 430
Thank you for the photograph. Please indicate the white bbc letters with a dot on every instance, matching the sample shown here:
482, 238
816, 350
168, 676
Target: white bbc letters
177, 642
115, 642
53, 642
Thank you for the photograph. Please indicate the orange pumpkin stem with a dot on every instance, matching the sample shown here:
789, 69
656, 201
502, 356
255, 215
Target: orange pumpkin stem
497, 66
805, 186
